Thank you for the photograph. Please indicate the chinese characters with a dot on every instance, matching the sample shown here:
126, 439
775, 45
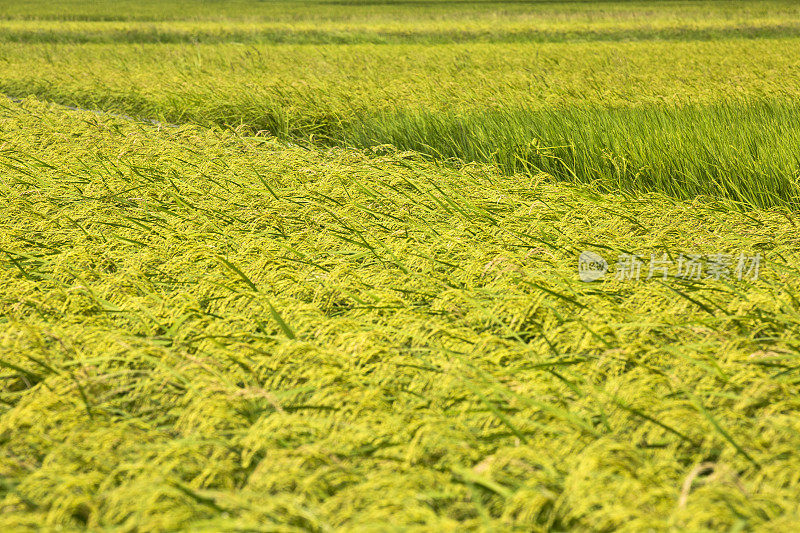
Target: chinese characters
689, 266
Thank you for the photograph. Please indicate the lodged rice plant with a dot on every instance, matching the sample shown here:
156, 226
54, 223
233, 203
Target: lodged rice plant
209, 330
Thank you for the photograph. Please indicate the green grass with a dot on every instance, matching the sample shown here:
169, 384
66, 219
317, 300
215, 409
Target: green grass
747, 152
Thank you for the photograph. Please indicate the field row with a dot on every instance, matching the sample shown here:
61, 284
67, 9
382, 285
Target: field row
346, 15
397, 33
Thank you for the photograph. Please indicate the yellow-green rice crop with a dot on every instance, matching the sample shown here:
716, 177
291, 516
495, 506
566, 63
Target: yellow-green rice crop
209, 331
331, 282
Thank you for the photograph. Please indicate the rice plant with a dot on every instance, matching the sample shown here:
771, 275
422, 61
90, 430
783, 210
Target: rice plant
316, 266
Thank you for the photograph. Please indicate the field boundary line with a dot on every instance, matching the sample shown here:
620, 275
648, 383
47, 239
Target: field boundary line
98, 112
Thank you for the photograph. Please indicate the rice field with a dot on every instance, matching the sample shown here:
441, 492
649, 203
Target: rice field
687, 117
321, 266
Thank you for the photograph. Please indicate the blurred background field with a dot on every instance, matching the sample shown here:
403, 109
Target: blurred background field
637, 95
